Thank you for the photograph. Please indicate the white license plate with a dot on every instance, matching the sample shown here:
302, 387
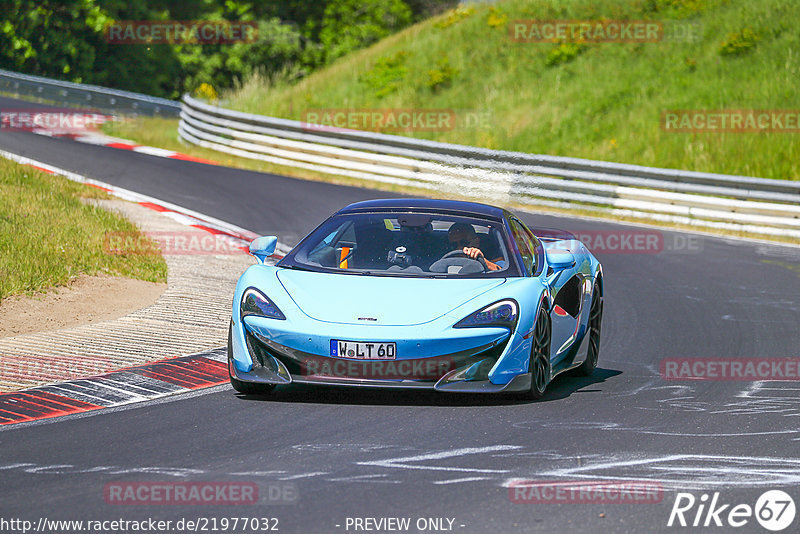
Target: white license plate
363, 350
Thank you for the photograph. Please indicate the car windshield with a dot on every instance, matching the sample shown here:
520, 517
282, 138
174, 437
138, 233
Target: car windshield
406, 244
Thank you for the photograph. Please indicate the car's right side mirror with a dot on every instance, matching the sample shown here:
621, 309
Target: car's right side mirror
560, 259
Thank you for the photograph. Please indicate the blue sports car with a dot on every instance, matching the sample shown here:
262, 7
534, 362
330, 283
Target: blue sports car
437, 294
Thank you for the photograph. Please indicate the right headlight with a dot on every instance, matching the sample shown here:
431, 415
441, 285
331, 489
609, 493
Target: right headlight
254, 302
501, 313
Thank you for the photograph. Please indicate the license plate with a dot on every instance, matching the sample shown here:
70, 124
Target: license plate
363, 350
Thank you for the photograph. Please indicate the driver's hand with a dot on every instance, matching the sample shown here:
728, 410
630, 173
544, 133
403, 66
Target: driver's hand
472, 252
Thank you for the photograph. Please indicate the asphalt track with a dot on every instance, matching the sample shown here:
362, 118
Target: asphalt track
365, 453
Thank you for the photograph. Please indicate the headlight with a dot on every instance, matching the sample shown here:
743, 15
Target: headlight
502, 313
254, 302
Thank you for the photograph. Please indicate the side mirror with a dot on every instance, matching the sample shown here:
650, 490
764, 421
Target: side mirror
560, 259
263, 247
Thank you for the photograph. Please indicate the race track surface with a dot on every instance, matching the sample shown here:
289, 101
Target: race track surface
365, 453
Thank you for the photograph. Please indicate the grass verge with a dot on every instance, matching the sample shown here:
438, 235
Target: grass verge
49, 234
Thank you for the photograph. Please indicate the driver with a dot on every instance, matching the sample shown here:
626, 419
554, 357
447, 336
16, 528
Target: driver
463, 236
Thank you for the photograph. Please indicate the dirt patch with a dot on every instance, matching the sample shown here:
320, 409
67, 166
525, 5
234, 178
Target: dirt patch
88, 299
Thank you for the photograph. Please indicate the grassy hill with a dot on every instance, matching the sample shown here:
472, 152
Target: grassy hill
593, 100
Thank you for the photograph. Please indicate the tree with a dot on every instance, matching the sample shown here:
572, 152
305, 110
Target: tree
351, 24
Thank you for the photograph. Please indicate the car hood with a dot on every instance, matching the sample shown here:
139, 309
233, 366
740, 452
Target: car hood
379, 300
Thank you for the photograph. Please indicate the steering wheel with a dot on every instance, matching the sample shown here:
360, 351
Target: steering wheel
460, 253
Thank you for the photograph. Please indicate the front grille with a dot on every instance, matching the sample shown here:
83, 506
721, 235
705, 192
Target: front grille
296, 362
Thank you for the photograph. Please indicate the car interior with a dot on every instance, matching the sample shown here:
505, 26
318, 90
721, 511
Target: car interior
408, 243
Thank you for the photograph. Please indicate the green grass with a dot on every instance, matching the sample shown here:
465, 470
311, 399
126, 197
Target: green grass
49, 234
597, 100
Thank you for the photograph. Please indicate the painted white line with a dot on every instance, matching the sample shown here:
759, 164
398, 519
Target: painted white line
364, 478
459, 480
693, 471
102, 140
257, 473
167, 471
403, 462
43, 468
15, 466
305, 475
153, 151
629, 463
714, 434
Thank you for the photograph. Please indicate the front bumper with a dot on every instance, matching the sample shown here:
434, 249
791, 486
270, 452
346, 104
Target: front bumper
256, 355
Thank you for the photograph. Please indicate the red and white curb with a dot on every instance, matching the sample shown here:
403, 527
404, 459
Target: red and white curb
237, 235
133, 384
125, 386
98, 139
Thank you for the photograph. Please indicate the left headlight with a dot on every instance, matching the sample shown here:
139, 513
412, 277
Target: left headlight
501, 313
254, 302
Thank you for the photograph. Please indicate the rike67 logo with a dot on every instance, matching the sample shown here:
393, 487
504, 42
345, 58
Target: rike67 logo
774, 510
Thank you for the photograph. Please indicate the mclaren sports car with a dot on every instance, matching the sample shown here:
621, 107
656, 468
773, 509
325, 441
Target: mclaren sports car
431, 294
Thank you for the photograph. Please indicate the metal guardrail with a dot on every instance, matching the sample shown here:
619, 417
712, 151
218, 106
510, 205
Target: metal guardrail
70, 94
740, 203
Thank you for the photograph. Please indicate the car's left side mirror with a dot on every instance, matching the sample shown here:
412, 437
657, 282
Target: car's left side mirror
263, 247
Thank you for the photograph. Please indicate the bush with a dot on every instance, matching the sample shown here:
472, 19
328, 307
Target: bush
206, 92
563, 53
496, 18
455, 16
442, 75
352, 24
739, 43
386, 75
681, 8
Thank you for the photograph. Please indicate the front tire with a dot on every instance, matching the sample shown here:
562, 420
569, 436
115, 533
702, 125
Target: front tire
595, 322
248, 388
539, 363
